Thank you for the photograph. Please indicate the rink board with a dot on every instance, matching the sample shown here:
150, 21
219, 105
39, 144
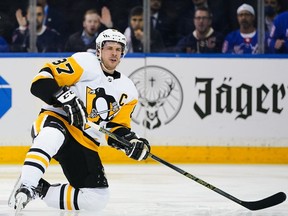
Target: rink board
206, 110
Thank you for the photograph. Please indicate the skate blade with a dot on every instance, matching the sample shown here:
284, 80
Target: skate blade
11, 200
19, 203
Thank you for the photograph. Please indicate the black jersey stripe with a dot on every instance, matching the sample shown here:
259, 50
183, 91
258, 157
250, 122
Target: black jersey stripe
61, 200
75, 199
40, 151
38, 166
46, 69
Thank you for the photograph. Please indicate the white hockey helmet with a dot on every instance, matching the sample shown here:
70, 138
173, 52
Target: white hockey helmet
110, 35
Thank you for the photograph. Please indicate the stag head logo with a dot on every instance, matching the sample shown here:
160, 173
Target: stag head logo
160, 96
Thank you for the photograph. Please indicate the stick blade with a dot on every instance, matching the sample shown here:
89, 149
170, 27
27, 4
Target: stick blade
265, 203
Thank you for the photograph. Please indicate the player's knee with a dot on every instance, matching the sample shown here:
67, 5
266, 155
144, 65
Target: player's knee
49, 139
94, 199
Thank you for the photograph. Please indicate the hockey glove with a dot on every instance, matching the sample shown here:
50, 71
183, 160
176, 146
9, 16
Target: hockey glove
73, 106
139, 149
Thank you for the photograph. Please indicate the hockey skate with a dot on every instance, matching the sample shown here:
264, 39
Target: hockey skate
23, 194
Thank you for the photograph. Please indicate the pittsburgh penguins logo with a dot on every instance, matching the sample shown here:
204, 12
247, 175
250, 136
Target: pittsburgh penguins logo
100, 106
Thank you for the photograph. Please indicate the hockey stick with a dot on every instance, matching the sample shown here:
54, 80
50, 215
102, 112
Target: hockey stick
251, 205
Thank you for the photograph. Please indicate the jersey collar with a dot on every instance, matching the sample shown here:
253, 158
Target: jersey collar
115, 75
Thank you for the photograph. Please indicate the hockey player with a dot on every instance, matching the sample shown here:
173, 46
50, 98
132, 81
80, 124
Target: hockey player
83, 87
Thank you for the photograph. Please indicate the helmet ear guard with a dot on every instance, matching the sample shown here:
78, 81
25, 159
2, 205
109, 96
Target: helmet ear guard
110, 35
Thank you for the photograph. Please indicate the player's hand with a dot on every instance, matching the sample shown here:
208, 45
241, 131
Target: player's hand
139, 149
73, 106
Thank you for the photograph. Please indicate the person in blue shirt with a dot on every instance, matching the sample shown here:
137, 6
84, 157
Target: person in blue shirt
244, 40
272, 9
4, 46
278, 39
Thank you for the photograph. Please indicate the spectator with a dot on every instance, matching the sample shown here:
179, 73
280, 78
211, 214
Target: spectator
4, 46
75, 9
85, 40
278, 40
6, 27
243, 40
203, 39
219, 10
233, 5
120, 10
135, 35
163, 23
53, 17
272, 8
48, 40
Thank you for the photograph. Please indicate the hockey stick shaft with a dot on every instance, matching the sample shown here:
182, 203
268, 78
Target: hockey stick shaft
253, 205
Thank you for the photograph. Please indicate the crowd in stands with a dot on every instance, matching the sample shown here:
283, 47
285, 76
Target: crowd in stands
182, 26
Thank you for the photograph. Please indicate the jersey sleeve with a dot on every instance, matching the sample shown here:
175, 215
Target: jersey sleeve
52, 76
123, 118
121, 124
227, 44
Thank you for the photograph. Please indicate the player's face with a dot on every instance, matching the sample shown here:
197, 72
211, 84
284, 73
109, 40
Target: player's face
91, 23
111, 55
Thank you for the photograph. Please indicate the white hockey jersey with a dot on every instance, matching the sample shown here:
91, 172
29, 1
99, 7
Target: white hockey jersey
107, 98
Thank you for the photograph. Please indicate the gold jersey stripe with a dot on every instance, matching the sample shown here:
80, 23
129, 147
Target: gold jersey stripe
38, 124
69, 194
38, 158
75, 132
126, 110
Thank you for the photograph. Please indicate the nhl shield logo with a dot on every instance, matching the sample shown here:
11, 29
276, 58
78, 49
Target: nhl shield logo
160, 96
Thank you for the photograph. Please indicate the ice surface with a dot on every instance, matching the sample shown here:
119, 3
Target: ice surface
142, 190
